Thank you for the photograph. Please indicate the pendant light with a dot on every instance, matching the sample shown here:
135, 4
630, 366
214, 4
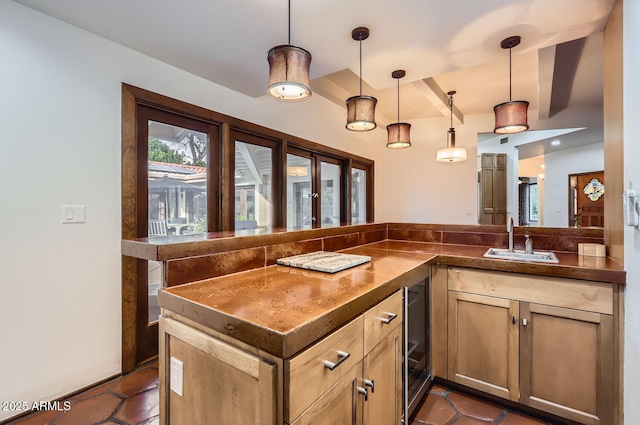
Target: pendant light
451, 153
398, 134
361, 109
289, 71
511, 116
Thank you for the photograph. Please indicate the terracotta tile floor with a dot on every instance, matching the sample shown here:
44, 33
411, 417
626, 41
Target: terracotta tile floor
133, 400
129, 400
444, 406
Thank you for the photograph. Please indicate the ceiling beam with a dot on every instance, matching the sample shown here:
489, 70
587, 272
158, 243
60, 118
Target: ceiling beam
438, 98
546, 67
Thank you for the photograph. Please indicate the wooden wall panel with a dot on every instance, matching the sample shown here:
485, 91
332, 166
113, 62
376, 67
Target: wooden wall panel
613, 134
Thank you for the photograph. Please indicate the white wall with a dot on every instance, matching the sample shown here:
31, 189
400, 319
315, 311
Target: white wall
60, 315
558, 166
631, 69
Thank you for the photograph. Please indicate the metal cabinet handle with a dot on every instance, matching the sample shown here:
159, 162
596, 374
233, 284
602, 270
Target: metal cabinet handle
513, 320
370, 383
525, 322
342, 356
364, 392
391, 317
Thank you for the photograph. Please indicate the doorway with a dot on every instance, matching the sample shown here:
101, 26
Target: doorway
586, 199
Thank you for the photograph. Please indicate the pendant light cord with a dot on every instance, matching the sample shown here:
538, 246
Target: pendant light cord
360, 64
398, 100
450, 134
289, 19
509, 73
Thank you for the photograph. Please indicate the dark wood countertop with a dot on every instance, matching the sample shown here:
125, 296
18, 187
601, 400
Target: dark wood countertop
282, 310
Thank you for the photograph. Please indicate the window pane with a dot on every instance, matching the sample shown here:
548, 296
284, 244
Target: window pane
298, 192
154, 280
329, 195
533, 202
177, 180
253, 188
358, 196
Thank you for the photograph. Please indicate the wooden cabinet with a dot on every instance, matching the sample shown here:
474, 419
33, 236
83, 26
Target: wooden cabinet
543, 342
371, 390
567, 362
353, 376
218, 380
382, 366
483, 343
339, 404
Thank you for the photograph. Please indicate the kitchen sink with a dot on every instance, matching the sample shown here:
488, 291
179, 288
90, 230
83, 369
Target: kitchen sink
505, 254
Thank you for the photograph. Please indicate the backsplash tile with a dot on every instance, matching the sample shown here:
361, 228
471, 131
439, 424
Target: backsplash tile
336, 243
294, 248
192, 269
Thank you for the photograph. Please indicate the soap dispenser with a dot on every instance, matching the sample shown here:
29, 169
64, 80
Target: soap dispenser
528, 245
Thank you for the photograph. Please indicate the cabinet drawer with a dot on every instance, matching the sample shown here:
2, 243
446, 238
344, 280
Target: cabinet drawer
309, 375
560, 292
380, 320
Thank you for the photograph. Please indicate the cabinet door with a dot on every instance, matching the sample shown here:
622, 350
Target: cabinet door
339, 405
483, 343
221, 384
567, 362
382, 378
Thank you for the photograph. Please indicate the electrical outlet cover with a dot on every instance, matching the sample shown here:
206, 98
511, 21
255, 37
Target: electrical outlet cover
176, 376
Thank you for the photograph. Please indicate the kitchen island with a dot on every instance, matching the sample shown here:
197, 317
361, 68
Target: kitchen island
276, 313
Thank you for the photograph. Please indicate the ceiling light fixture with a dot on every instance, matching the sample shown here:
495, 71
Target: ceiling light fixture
398, 134
361, 109
297, 171
511, 116
451, 153
289, 71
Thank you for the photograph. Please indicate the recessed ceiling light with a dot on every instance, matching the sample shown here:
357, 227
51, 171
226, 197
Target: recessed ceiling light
555, 143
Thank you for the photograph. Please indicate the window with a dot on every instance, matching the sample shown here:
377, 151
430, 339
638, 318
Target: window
533, 202
187, 170
299, 195
358, 196
256, 177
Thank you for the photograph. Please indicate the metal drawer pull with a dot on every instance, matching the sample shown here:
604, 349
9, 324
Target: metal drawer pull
370, 383
525, 322
513, 319
342, 356
364, 392
391, 317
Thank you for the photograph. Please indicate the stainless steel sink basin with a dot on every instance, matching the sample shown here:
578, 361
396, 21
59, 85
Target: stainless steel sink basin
505, 254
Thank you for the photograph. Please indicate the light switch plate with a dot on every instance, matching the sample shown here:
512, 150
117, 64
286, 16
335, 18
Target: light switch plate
176, 376
73, 213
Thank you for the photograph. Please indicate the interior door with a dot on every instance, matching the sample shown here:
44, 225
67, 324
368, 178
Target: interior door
174, 195
587, 197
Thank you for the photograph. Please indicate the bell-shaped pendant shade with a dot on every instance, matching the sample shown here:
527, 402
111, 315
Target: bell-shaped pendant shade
361, 113
511, 117
289, 73
399, 135
361, 109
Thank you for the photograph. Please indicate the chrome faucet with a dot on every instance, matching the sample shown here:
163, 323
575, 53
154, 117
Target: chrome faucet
510, 231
